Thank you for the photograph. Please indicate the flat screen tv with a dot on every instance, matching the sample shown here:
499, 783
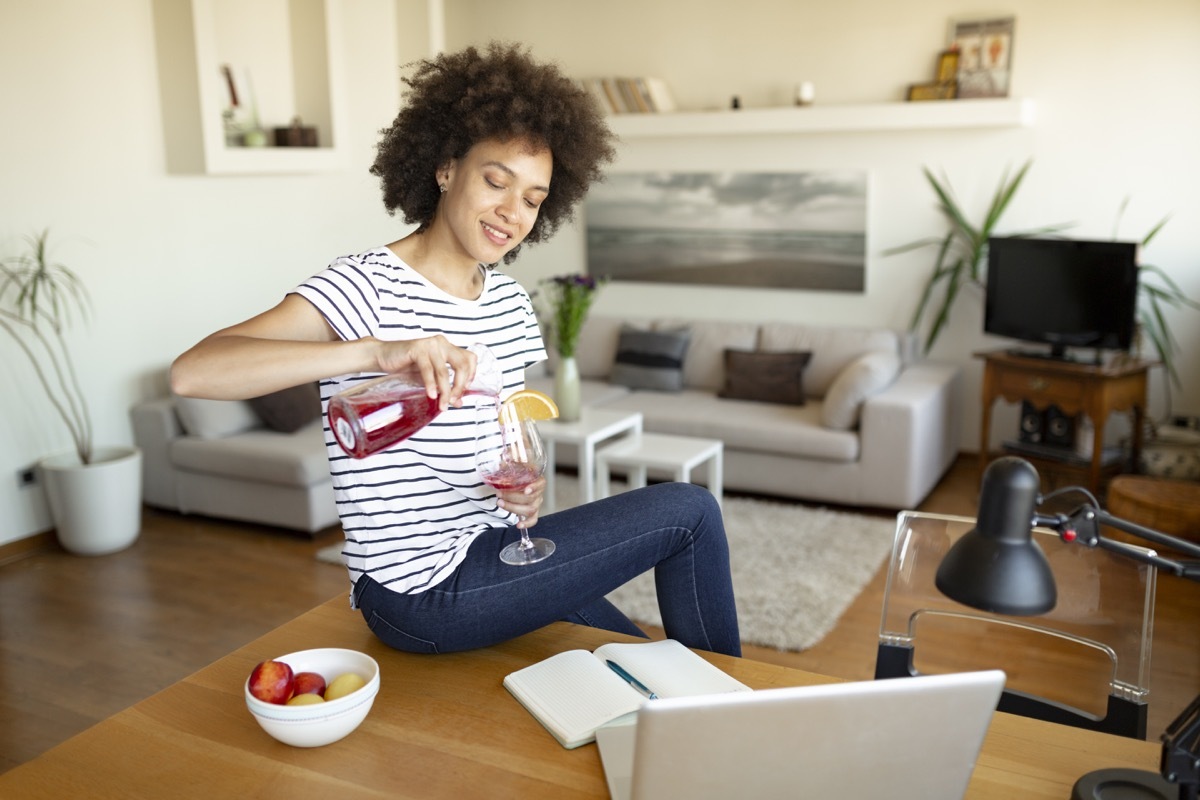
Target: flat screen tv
1065, 293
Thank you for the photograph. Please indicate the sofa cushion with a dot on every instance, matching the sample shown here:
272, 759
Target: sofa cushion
704, 365
858, 381
833, 348
289, 459
288, 410
793, 431
765, 377
650, 359
215, 419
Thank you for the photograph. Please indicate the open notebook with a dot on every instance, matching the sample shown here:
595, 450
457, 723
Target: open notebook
575, 692
914, 738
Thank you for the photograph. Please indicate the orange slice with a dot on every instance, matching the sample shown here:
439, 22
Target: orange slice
528, 404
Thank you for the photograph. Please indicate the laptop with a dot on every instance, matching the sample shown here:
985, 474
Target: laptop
898, 738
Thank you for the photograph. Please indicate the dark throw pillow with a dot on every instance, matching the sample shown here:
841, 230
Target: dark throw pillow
765, 377
650, 359
289, 410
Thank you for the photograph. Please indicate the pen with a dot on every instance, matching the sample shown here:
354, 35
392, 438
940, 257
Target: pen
632, 681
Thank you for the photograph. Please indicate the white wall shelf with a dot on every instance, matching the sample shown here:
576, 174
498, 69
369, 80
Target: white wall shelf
875, 117
195, 94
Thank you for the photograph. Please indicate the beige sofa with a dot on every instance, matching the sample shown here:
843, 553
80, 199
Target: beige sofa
221, 459
886, 444
877, 428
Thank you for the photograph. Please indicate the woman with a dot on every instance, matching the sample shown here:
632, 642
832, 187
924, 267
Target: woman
491, 150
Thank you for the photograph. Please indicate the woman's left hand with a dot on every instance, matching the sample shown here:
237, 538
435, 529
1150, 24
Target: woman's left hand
525, 503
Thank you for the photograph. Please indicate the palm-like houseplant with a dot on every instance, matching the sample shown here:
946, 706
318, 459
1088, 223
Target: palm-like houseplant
37, 300
962, 261
94, 494
1156, 291
962, 252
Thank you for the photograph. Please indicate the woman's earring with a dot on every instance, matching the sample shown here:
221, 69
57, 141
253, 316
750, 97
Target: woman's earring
442, 188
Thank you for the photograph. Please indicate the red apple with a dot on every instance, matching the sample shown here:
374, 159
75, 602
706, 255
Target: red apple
272, 682
309, 683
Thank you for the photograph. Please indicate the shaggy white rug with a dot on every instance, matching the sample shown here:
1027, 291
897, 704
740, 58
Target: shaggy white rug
795, 568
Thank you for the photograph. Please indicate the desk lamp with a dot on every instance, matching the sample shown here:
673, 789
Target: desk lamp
997, 567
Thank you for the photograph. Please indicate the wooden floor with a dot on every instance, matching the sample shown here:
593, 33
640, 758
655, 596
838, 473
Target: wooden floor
81, 638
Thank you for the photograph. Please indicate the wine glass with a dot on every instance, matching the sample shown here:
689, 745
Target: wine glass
509, 455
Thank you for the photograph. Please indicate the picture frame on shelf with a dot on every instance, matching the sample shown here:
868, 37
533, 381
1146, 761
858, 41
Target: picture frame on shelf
938, 90
985, 55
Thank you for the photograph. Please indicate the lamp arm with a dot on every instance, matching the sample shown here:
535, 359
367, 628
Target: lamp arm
1083, 525
1180, 761
1181, 743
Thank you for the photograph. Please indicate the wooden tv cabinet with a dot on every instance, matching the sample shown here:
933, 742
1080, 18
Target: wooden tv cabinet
1075, 387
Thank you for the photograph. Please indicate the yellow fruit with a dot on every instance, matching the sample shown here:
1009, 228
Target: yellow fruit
528, 404
306, 699
343, 685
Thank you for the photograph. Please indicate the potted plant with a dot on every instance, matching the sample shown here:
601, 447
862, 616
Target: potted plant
94, 493
570, 298
962, 261
1157, 290
962, 252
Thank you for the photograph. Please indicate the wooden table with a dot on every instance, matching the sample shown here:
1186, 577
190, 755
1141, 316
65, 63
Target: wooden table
1076, 388
442, 726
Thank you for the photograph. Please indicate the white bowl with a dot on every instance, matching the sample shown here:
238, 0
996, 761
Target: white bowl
319, 723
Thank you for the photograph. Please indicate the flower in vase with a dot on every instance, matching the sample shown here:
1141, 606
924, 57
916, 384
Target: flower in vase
569, 298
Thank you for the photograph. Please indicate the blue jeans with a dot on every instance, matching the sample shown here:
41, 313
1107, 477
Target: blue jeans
673, 528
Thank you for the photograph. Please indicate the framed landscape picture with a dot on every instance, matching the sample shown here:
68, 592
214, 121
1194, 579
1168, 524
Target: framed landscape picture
784, 230
985, 55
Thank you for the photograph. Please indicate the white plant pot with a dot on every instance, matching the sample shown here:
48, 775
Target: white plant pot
97, 508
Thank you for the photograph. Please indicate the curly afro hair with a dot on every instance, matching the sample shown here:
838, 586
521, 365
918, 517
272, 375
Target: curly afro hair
459, 99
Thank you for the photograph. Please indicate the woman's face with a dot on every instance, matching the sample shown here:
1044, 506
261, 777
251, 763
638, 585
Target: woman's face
492, 196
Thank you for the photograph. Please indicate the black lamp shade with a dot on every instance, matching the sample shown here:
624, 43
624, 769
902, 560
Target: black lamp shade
996, 566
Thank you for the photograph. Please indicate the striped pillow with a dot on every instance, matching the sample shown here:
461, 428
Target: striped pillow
650, 359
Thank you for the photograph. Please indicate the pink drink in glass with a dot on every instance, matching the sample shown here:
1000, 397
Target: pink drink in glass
512, 475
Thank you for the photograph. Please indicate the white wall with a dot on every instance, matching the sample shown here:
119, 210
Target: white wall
1115, 120
170, 258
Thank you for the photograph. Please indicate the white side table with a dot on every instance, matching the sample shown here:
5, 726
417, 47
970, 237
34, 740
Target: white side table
678, 455
595, 425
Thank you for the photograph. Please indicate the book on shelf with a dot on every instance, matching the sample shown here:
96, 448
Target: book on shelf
574, 693
630, 95
660, 95
616, 104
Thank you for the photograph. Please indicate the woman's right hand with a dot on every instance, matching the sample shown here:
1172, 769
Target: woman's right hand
433, 357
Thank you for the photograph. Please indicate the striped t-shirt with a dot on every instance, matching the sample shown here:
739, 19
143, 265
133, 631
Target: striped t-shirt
410, 511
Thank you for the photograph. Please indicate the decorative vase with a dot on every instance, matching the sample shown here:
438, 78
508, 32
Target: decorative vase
97, 508
566, 389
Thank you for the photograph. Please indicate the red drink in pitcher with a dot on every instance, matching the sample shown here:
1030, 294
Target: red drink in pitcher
372, 421
375, 415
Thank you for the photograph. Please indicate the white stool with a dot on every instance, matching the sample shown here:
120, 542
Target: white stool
678, 455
